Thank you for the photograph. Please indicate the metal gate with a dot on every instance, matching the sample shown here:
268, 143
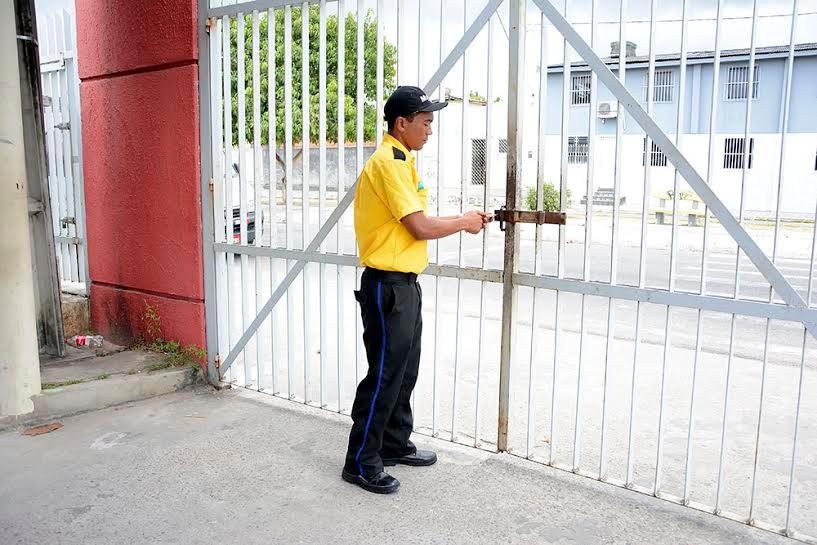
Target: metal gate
60, 85
604, 360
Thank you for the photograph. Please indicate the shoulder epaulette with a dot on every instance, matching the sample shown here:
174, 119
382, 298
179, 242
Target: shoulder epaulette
398, 154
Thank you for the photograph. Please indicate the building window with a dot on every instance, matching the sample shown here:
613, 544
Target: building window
657, 157
737, 83
577, 150
580, 89
733, 149
478, 156
503, 145
663, 87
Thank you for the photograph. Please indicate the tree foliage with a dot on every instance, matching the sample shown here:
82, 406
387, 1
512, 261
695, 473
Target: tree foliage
370, 115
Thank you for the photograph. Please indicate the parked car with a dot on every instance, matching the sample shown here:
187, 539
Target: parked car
236, 205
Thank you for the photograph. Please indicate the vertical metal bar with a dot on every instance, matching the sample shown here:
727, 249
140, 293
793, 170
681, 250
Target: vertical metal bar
691, 429
560, 254
418, 154
341, 185
796, 435
379, 75
679, 120
759, 422
486, 195
567, 96
645, 203
228, 176
578, 417
305, 204
699, 328
722, 457
588, 240
747, 122
710, 164
591, 136
516, 102
460, 250
65, 151
745, 154
397, 55
258, 172
679, 129
552, 442
242, 185
59, 170
360, 57
273, 180
617, 169
324, 280
440, 95
537, 242
289, 181
530, 419
217, 211
662, 406
76, 144
634, 394
205, 46
542, 141
784, 129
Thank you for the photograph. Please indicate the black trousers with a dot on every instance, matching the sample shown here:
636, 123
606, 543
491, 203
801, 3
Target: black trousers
390, 304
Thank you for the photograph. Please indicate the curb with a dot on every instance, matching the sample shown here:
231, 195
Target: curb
100, 394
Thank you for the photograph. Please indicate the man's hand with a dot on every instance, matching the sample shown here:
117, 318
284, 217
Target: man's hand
474, 221
486, 217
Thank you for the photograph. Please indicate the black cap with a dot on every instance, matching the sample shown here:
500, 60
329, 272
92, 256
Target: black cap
407, 100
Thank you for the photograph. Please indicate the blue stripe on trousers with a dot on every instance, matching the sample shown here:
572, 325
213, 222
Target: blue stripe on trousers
379, 377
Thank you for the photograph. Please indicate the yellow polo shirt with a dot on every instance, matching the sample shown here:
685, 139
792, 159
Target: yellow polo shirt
389, 190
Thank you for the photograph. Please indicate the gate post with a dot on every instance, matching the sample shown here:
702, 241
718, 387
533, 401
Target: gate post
516, 89
207, 220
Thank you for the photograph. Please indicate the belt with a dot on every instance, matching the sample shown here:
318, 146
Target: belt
390, 277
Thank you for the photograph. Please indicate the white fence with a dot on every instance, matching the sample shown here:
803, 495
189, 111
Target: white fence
60, 89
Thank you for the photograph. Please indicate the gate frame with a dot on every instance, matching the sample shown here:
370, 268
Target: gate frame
795, 308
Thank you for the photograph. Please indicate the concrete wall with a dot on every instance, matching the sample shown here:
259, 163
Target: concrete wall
138, 65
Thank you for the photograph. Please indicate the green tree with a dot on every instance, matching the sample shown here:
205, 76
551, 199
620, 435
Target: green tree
370, 115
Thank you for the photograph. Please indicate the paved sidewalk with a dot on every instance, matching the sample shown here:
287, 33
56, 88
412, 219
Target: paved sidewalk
236, 467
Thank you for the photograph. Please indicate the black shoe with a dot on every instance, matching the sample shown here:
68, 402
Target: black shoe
419, 458
382, 483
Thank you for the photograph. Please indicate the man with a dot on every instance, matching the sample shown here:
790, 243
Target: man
392, 228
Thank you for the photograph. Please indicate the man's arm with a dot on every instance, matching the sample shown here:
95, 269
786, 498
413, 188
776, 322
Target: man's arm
424, 227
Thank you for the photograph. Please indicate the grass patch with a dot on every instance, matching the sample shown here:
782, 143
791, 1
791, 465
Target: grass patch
174, 354
54, 385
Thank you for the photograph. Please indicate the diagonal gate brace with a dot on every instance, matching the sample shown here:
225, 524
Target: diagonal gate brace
449, 62
698, 184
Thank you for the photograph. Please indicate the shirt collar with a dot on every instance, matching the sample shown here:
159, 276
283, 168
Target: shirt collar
392, 141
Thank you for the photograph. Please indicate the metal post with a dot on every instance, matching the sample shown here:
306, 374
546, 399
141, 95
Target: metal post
44, 261
516, 90
20, 374
207, 221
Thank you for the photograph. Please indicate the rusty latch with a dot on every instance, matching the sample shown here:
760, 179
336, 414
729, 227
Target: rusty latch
503, 216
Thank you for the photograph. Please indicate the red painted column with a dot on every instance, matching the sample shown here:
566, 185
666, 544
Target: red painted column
138, 66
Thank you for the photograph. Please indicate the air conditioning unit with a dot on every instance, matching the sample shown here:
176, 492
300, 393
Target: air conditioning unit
608, 110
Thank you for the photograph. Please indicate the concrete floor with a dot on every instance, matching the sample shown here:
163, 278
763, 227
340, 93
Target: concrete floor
236, 467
